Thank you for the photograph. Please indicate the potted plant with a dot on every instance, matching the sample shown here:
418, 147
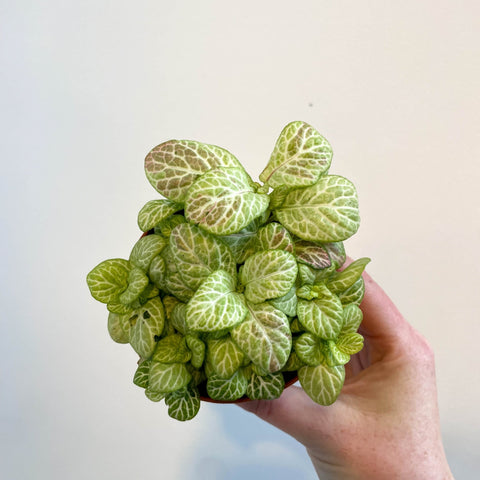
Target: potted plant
234, 288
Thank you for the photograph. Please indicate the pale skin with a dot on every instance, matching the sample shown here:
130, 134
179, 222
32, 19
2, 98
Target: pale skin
385, 423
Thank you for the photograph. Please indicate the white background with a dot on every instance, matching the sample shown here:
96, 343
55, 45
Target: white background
88, 88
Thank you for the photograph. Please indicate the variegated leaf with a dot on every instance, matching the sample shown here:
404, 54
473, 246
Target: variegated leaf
336, 252
173, 281
333, 355
346, 278
154, 396
267, 387
215, 305
197, 254
223, 201
306, 275
197, 347
118, 327
177, 317
183, 404
137, 282
168, 377
309, 349
141, 374
166, 226
353, 294
173, 166
172, 349
322, 383
326, 211
274, 236
322, 316
243, 243
352, 318
268, 274
293, 363
312, 254
153, 212
278, 196
109, 279
148, 323
264, 336
224, 356
287, 304
351, 343
157, 271
229, 389
301, 155
145, 250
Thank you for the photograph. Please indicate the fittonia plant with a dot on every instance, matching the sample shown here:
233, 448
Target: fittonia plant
234, 282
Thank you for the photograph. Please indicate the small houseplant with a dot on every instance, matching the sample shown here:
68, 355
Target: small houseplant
234, 283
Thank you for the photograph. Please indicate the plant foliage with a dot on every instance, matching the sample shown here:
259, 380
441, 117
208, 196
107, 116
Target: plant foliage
234, 282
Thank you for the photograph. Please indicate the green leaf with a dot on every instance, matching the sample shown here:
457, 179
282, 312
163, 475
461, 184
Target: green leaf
153, 212
157, 271
352, 318
197, 347
198, 254
322, 316
173, 166
309, 349
166, 226
326, 211
343, 280
264, 336
224, 356
109, 279
172, 349
178, 318
293, 363
173, 281
301, 155
243, 243
215, 305
312, 254
146, 249
278, 196
336, 252
168, 377
223, 201
265, 387
268, 274
350, 343
274, 236
333, 355
149, 321
137, 282
306, 275
353, 294
287, 304
227, 390
154, 396
120, 308
118, 327
141, 374
183, 404
322, 383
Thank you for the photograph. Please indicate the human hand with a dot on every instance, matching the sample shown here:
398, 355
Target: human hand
385, 423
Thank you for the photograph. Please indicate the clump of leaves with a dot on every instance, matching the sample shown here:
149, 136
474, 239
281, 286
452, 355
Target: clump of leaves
235, 283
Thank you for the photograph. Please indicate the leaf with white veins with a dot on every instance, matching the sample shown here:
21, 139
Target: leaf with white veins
215, 305
223, 201
264, 336
322, 383
326, 211
154, 211
197, 254
301, 155
268, 274
173, 166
